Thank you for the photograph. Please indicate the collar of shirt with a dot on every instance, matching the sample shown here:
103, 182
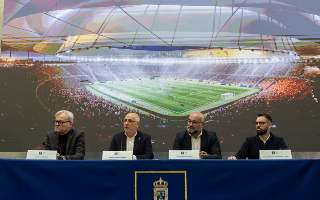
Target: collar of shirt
132, 136
197, 136
264, 141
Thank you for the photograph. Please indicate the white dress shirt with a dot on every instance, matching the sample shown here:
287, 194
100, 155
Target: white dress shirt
130, 142
196, 142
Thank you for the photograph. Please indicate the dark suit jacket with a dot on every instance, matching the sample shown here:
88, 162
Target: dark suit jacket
142, 148
250, 148
75, 147
209, 143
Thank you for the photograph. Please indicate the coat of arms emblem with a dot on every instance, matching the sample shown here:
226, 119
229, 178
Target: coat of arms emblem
160, 190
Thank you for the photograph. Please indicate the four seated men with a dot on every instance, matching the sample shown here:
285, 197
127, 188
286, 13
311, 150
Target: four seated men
70, 144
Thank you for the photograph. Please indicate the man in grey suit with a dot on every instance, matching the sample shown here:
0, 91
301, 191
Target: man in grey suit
69, 143
195, 137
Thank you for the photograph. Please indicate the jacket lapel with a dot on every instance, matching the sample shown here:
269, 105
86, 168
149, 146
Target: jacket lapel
55, 141
69, 141
187, 144
123, 142
203, 140
137, 141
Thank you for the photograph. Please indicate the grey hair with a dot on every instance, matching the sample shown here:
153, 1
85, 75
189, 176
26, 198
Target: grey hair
136, 116
67, 113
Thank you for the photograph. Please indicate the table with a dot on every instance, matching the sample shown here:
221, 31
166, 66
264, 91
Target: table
149, 179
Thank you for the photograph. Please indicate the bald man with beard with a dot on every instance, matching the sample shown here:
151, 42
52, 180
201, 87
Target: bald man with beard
195, 137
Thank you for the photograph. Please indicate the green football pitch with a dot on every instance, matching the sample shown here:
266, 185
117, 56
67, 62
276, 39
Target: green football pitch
169, 97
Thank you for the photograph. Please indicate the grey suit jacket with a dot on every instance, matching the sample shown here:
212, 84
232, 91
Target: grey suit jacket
75, 147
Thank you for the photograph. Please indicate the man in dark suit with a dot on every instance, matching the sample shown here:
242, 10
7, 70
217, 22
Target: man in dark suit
264, 140
131, 139
69, 143
197, 138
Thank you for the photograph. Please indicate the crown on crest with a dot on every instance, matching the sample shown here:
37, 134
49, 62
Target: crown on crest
160, 183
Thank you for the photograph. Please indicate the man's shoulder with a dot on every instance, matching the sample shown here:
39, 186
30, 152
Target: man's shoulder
276, 137
118, 135
209, 133
73, 132
251, 138
52, 134
144, 135
181, 134
76, 133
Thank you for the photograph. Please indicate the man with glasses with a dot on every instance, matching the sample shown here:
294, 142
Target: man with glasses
195, 137
131, 139
264, 140
69, 143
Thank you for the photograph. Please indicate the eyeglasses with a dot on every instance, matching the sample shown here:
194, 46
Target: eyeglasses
193, 122
128, 120
59, 122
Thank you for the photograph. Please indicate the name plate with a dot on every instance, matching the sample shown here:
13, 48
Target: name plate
41, 155
184, 154
117, 155
275, 154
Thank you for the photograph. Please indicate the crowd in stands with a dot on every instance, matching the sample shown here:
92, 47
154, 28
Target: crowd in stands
247, 74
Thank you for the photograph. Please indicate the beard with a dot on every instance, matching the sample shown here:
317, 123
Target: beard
192, 131
262, 131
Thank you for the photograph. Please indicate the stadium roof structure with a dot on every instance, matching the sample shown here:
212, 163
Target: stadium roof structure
57, 26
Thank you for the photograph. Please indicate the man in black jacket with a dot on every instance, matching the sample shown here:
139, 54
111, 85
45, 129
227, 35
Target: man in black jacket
197, 138
131, 139
69, 144
264, 140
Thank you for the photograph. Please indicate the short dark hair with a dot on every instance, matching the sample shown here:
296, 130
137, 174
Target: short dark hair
266, 115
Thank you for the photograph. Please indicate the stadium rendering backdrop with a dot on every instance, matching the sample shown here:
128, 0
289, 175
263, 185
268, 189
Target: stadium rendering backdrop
164, 90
